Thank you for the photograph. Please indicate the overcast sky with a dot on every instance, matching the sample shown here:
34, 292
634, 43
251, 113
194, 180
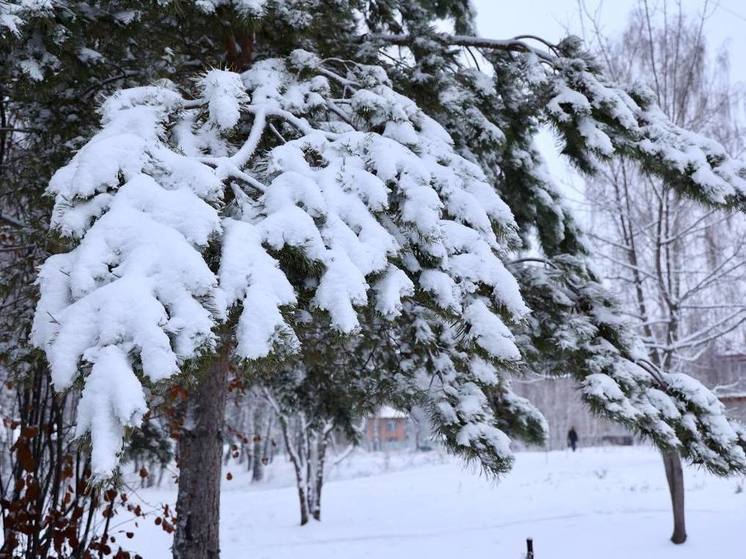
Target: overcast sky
550, 18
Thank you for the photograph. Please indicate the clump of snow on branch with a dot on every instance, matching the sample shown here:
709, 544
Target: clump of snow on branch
14, 13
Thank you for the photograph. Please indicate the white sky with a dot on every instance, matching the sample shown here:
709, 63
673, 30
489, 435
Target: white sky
501, 19
553, 19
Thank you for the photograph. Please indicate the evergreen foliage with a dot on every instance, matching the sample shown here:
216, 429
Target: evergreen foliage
352, 171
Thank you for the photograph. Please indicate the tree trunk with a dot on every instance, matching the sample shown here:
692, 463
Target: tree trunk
267, 449
257, 471
319, 481
200, 449
308, 448
296, 461
675, 478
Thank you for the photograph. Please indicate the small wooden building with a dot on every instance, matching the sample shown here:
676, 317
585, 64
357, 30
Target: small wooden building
388, 429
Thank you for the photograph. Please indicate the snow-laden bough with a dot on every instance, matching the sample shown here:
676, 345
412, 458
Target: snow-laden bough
341, 170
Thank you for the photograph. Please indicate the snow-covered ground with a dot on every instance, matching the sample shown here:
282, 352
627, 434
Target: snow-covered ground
608, 502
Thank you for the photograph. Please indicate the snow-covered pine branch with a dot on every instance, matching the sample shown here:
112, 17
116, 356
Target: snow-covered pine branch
171, 232
617, 380
575, 326
13, 14
599, 119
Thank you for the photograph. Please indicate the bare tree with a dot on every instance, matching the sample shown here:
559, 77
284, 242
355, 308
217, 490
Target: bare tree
679, 268
306, 440
250, 430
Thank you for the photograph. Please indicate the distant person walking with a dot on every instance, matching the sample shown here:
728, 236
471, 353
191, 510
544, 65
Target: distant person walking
572, 438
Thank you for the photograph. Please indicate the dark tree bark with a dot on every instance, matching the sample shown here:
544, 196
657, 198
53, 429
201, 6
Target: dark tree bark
200, 449
675, 478
257, 469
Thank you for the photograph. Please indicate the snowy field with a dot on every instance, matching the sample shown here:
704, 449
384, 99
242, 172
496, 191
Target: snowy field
597, 503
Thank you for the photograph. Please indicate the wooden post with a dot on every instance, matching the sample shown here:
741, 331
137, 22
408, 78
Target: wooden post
529, 548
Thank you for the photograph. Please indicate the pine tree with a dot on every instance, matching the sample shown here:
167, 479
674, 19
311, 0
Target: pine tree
344, 178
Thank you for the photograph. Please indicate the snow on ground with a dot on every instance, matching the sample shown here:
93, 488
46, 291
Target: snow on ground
605, 502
